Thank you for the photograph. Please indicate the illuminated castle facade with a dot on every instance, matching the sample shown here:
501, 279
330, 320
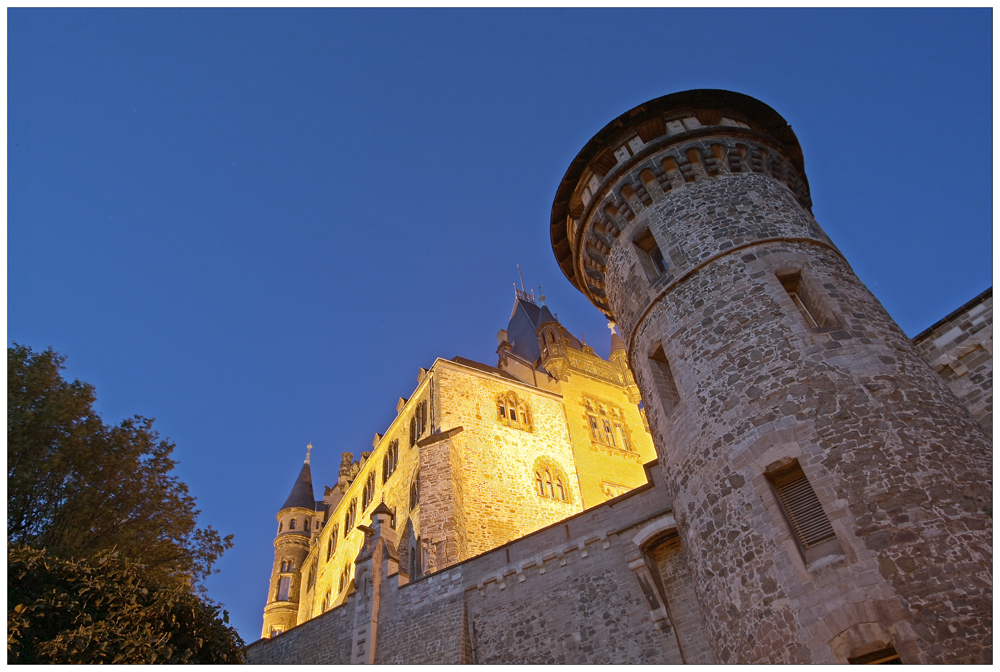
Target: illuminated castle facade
818, 486
478, 456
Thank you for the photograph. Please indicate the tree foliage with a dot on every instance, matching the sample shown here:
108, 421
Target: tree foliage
78, 487
108, 611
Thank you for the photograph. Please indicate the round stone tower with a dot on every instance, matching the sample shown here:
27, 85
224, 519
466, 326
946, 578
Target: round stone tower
832, 496
291, 546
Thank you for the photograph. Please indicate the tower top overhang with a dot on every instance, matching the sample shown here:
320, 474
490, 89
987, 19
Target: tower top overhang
656, 123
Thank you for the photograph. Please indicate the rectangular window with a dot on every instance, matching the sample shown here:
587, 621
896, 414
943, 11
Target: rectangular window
595, 432
663, 379
609, 435
621, 436
802, 509
651, 257
801, 506
809, 305
284, 584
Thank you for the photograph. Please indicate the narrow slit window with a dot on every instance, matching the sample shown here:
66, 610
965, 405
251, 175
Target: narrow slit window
809, 305
663, 379
652, 258
284, 585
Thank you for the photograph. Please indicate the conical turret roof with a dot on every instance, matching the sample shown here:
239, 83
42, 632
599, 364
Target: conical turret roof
616, 342
544, 316
301, 496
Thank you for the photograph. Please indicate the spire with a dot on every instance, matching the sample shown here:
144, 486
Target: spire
301, 496
616, 341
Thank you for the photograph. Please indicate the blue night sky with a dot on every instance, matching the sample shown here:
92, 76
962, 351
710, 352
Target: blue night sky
256, 225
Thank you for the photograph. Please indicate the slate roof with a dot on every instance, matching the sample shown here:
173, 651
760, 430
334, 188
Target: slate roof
301, 496
472, 364
524, 320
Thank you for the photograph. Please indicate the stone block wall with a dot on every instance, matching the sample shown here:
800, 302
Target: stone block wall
604, 470
499, 494
960, 348
323, 640
567, 593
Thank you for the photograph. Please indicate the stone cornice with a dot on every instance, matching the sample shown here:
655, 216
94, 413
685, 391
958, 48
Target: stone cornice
694, 135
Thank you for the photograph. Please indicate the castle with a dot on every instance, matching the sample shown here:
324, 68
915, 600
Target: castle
765, 468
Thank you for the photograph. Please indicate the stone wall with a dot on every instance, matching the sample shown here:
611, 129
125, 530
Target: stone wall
567, 593
323, 640
960, 348
758, 353
499, 494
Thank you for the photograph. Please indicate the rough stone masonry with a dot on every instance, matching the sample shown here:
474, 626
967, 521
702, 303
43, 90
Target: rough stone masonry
832, 495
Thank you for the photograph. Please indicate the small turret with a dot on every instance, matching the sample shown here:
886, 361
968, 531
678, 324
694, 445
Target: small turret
551, 343
619, 358
296, 524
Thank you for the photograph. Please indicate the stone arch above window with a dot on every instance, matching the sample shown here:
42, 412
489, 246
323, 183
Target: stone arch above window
550, 480
513, 412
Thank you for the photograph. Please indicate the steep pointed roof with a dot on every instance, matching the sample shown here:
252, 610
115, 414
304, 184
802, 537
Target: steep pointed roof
545, 315
301, 496
616, 342
525, 319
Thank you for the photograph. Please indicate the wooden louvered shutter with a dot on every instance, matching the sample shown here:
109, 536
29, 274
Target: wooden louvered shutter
802, 507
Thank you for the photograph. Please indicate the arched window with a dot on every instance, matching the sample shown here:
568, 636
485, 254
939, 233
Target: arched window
312, 578
349, 517
368, 494
513, 412
413, 432
291, 525
390, 460
331, 545
416, 564
415, 491
326, 601
284, 586
550, 480
307, 525
280, 526
343, 579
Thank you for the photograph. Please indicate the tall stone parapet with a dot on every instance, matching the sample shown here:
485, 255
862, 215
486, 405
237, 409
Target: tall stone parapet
832, 495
